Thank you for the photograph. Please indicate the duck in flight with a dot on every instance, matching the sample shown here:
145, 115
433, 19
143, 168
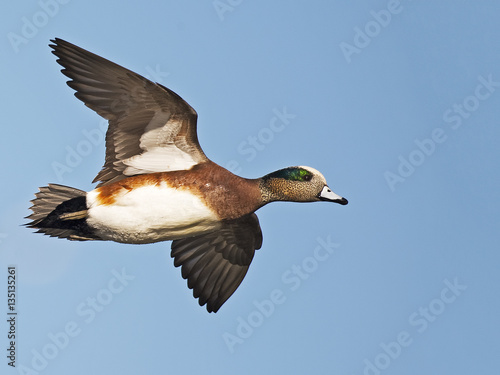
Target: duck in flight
157, 184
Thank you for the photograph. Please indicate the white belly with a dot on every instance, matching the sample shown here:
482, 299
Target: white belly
150, 214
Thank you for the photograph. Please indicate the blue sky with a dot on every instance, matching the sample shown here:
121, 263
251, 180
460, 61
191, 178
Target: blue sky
396, 102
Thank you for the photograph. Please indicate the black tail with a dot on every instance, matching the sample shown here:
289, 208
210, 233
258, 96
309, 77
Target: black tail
61, 211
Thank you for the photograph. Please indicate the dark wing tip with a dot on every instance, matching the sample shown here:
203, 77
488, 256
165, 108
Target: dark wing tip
216, 263
58, 43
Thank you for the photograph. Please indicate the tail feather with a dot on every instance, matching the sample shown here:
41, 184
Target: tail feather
61, 211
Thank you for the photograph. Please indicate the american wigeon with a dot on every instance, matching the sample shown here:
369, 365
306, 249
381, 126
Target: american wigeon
157, 184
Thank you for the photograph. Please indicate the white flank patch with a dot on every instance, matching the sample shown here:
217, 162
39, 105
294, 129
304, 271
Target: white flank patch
150, 214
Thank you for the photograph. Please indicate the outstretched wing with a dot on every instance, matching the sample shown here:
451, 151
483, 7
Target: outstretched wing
151, 128
215, 264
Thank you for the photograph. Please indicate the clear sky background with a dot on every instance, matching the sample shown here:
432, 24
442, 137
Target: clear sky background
397, 103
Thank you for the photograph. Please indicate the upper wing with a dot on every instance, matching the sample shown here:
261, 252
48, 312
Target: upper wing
151, 128
215, 263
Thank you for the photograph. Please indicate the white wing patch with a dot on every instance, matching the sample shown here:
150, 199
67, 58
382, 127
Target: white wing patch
160, 131
158, 159
160, 153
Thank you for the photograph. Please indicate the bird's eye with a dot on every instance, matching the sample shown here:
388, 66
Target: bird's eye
307, 177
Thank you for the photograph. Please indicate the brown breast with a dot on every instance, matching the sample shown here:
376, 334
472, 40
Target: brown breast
228, 195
